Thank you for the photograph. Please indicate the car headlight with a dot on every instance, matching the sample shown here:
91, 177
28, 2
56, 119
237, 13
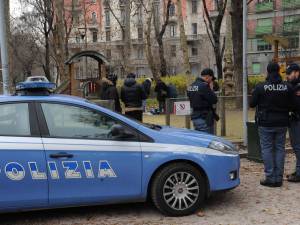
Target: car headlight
222, 147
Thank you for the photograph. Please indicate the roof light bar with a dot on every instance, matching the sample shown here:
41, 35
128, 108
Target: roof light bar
35, 88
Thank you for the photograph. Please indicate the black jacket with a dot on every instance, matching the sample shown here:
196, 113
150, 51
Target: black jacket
273, 100
202, 98
147, 87
110, 92
132, 94
296, 88
162, 91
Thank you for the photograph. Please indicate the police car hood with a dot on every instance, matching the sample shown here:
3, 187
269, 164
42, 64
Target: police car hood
190, 137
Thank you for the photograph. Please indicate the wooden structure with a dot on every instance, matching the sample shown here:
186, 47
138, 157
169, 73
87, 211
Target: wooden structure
77, 87
284, 43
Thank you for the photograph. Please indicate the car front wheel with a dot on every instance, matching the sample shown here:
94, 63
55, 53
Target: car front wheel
178, 189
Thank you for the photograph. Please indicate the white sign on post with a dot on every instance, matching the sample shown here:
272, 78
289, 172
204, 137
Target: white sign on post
182, 108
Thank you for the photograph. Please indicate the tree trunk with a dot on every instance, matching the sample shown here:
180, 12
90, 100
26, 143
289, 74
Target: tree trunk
127, 39
159, 33
47, 58
59, 35
237, 39
163, 63
183, 40
149, 54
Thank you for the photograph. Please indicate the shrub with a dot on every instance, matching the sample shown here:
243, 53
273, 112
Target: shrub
181, 81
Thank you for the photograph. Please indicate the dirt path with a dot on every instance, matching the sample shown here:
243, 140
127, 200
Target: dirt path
250, 203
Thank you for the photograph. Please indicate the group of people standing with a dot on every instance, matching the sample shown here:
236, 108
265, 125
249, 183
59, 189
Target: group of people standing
277, 104
133, 94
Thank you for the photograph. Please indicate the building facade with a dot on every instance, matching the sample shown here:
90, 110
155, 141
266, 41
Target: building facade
276, 19
98, 26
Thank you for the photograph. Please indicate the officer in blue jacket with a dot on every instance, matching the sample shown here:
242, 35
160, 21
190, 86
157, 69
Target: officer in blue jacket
202, 99
293, 76
273, 101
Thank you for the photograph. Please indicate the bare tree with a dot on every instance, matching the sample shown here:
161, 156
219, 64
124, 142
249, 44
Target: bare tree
159, 33
183, 40
124, 23
59, 34
149, 53
43, 13
237, 39
213, 28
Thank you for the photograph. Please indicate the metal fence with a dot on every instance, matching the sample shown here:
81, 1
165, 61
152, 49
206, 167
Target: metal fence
229, 108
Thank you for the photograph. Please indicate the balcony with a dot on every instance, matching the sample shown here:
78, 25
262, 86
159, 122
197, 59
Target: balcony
261, 30
290, 4
193, 37
264, 7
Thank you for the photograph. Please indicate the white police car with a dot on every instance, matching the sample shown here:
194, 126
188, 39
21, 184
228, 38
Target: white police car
60, 151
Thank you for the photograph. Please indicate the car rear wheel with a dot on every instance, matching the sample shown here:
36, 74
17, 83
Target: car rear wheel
178, 189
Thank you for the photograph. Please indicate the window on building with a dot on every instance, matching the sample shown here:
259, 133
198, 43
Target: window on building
140, 53
140, 71
194, 51
264, 26
95, 36
94, 17
173, 51
263, 45
123, 16
107, 18
140, 14
172, 30
194, 28
140, 33
256, 68
14, 119
294, 42
172, 9
291, 24
156, 12
77, 38
108, 54
107, 34
194, 6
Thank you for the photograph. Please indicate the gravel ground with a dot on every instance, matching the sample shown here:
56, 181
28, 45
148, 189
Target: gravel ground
250, 203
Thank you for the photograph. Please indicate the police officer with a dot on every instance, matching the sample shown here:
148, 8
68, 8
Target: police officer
273, 100
133, 94
202, 99
293, 76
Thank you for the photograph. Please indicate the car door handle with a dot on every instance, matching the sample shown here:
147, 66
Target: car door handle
61, 155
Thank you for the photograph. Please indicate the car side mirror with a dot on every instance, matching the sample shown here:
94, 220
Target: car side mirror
119, 132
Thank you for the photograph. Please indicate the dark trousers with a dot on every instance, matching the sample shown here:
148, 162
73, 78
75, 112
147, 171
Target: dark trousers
162, 106
272, 142
136, 114
294, 132
201, 125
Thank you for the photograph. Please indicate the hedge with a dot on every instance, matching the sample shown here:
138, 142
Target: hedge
181, 81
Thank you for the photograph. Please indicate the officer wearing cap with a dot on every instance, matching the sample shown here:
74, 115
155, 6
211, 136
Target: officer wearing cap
202, 99
293, 77
273, 100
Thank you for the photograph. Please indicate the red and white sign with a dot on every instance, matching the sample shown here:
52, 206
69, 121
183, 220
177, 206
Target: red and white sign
182, 108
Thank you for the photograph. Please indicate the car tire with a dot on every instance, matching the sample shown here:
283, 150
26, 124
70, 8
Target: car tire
178, 189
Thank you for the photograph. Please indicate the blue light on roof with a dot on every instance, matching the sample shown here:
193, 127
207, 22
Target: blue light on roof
23, 86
